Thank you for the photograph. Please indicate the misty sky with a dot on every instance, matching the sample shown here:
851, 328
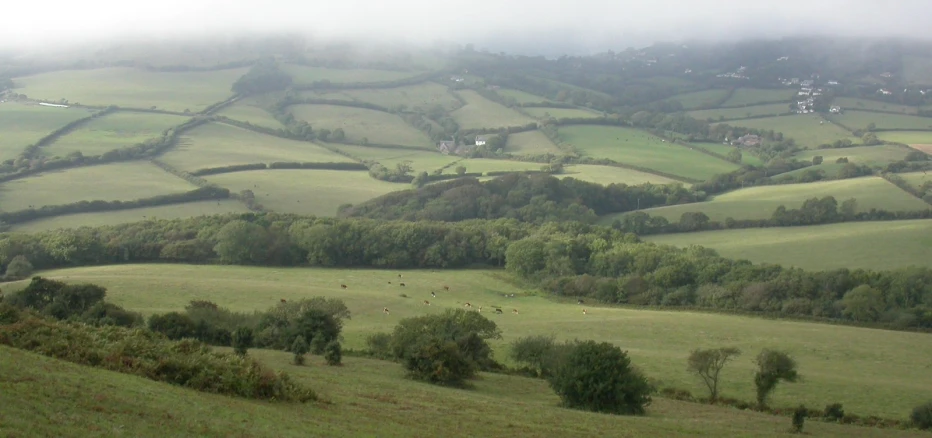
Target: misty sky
547, 25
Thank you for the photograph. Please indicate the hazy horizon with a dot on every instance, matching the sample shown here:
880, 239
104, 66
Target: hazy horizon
541, 27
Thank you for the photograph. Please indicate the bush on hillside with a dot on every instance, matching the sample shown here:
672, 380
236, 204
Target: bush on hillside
281, 325
173, 325
834, 412
18, 268
318, 344
242, 340
922, 416
439, 361
773, 367
378, 345
599, 377
299, 349
333, 353
540, 354
799, 418
80, 302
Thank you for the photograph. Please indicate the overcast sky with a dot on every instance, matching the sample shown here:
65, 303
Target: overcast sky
562, 25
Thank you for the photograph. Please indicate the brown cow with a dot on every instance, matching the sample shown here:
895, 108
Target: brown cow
584, 312
515, 311
446, 288
343, 286
385, 310
284, 301
401, 284
426, 303
467, 305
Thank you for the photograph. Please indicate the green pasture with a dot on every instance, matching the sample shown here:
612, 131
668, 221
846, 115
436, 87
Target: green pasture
253, 111
364, 397
306, 75
606, 175
880, 155
700, 99
22, 125
852, 103
724, 149
830, 168
631, 146
560, 113
173, 211
907, 137
771, 109
869, 371
132, 88
860, 120
480, 112
852, 245
804, 128
317, 192
113, 131
217, 144
421, 96
521, 97
917, 179
760, 202
361, 124
108, 182
420, 161
485, 165
530, 143
752, 96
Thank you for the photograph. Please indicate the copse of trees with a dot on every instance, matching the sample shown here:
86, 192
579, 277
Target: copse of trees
264, 76
74, 302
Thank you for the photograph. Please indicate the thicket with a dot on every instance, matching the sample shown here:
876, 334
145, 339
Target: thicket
264, 76
82, 303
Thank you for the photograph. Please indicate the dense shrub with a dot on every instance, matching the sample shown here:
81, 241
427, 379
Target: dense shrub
318, 344
539, 353
299, 348
79, 302
599, 377
18, 268
438, 361
379, 345
772, 368
173, 325
242, 340
333, 353
834, 412
799, 418
922, 416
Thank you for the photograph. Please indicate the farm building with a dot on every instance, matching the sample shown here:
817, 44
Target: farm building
447, 146
481, 140
747, 140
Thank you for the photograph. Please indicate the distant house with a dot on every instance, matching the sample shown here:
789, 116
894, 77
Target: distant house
835, 109
481, 140
457, 78
747, 140
885, 91
447, 146
833, 82
807, 83
53, 105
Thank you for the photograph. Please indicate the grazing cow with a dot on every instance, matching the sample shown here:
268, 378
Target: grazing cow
399, 275
584, 312
426, 303
385, 310
467, 305
446, 288
389, 282
515, 311
479, 309
433, 294
283, 300
401, 284
342, 286
498, 311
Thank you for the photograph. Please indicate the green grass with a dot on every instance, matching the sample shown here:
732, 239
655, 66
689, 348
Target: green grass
306, 75
490, 165
860, 120
639, 148
134, 88
760, 202
317, 192
374, 394
112, 131
606, 175
907, 137
22, 125
916, 179
109, 182
804, 128
717, 114
751, 96
359, 124
480, 112
217, 144
864, 245
252, 111
521, 97
869, 155
700, 99
560, 113
421, 96
847, 103
830, 168
869, 371
530, 143
420, 161
724, 149
173, 211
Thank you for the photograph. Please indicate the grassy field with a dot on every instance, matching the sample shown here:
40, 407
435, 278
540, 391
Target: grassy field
847, 103
421, 96
560, 113
860, 120
804, 128
133, 88
109, 182
360, 124
907, 137
317, 192
870, 371
306, 75
700, 99
751, 96
530, 143
480, 112
870, 155
491, 165
717, 114
173, 211
606, 175
112, 131
917, 178
520, 96
420, 161
46, 397
639, 148
760, 202
724, 149
830, 168
865, 245
22, 125
217, 144
252, 111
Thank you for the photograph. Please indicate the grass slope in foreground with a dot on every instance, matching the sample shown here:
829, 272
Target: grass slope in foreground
631, 146
317, 192
218, 144
108, 182
360, 124
23, 125
46, 397
173, 211
480, 112
805, 129
865, 245
530, 143
871, 371
760, 202
112, 131
132, 88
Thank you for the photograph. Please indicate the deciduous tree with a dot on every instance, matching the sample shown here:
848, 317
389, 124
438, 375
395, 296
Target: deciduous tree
708, 364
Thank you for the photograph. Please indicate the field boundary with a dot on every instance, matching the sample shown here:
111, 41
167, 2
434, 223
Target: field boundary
327, 85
